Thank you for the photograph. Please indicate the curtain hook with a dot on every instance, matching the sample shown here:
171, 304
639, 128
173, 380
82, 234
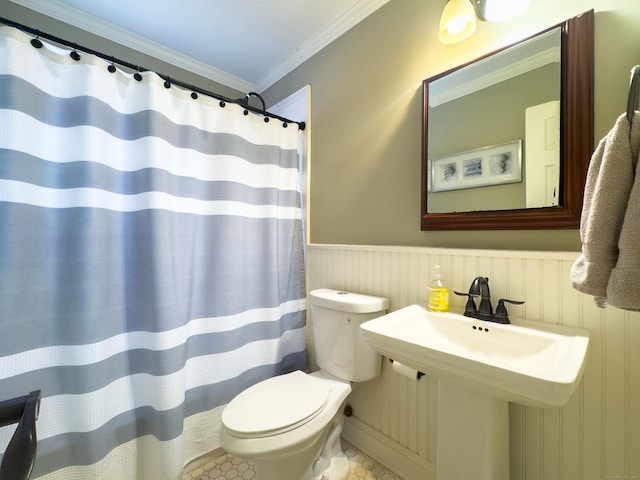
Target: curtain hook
75, 55
36, 41
112, 67
194, 95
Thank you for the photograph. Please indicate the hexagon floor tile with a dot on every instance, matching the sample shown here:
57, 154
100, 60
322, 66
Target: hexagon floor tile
228, 467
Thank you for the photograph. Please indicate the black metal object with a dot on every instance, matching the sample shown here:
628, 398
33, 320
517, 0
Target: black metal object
168, 81
633, 101
479, 289
502, 316
244, 101
20, 455
484, 311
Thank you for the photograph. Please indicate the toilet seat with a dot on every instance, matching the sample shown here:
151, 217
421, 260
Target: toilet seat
276, 405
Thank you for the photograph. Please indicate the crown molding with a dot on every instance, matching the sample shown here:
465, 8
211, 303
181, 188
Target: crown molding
477, 83
308, 49
72, 16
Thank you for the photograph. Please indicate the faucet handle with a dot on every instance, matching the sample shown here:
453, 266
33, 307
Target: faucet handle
502, 316
465, 294
470, 308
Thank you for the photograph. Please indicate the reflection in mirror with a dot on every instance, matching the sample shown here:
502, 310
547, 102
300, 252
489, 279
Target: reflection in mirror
510, 97
507, 139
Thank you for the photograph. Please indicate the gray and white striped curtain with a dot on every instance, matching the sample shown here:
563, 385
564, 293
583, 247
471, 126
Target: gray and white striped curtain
151, 261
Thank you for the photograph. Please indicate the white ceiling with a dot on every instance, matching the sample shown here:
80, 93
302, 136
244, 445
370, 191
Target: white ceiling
244, 44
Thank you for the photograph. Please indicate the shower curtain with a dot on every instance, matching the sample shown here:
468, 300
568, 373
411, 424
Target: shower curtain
151, 261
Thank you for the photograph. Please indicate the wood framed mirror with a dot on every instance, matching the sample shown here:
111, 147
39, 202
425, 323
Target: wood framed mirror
576, 143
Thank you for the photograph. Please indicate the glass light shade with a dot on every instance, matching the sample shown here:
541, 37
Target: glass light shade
458, 21
500, 10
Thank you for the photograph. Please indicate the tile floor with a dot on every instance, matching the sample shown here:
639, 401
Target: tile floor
228, 467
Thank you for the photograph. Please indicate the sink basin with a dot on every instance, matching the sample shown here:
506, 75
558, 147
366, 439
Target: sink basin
530, 363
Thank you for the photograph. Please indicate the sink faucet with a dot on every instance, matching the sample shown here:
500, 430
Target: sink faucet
480, 286
484, 311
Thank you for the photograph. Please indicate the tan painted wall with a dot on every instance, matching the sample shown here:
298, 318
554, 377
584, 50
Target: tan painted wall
366, 116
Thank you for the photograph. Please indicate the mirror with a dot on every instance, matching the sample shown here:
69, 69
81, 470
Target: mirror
527, 172
518, 89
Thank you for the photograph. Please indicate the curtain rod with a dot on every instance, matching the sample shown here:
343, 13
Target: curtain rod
168, 80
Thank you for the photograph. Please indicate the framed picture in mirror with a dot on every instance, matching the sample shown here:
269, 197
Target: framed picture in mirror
482, 167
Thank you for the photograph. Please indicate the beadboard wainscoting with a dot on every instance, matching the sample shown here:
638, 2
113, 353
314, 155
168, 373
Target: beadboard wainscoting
596, 436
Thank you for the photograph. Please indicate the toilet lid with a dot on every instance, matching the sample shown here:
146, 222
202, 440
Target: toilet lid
276, 405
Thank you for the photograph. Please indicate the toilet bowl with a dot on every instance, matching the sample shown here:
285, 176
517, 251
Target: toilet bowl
285, 422
290, 425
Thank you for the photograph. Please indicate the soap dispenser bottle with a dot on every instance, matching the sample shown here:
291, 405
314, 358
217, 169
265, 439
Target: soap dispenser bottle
438, 293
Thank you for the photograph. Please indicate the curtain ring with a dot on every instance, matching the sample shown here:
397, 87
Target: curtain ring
75, 55
137, 75
222, 104
167, 83
36, 41
112, 67
194, 95
266, 119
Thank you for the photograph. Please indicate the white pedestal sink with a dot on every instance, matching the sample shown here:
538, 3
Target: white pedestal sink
473, 434
481, 366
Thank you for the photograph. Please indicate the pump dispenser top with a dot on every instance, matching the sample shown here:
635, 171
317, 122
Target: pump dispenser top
438, 293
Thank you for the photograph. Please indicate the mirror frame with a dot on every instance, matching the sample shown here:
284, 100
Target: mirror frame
577, 119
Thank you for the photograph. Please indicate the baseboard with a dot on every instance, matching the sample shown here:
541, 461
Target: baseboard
392, 455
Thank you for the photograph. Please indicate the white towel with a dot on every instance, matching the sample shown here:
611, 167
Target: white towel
609, 182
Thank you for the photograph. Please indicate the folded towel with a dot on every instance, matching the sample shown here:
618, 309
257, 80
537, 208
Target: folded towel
623, 290
606, 194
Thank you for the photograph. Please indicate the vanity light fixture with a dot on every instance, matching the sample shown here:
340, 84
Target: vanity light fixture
458, 20
499, 10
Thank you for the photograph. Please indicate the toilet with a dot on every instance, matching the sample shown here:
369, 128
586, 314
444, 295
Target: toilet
290, 425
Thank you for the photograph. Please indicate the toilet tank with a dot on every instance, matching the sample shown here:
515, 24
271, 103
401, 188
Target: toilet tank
336, 317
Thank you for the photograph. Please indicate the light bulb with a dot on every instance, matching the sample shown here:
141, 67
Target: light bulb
500, 10
458, 21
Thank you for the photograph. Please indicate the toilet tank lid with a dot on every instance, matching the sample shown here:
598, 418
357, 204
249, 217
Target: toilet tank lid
347, 301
